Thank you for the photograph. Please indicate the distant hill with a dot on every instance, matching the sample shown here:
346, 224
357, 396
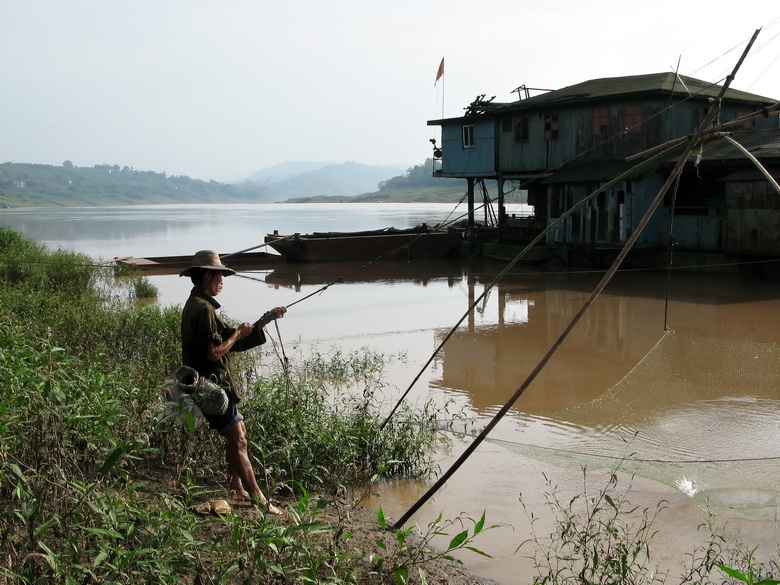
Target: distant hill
34, 185
417, 184
284, 171
307, 179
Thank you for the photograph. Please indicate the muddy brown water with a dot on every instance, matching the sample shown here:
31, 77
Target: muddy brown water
405, 310
493, 351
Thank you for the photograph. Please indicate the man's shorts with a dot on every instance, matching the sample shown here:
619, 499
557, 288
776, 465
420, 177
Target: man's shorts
224, 422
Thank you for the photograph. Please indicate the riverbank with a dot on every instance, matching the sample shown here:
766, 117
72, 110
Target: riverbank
344, 527
101, 485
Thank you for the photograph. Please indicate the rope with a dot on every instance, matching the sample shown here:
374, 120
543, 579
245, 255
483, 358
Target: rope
670, 251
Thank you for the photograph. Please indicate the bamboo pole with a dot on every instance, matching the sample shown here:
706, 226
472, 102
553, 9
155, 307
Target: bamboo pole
754, 160
694, 140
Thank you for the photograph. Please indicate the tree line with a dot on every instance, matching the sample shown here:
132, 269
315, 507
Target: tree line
31, 185
25, 184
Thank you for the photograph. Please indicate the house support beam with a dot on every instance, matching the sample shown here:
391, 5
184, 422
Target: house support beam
471, 230
470, 198
501, 208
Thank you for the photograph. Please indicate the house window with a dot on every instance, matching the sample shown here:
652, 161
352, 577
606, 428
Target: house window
468, 136
521, 129
745, 124
550, 127
600, 121
632, 118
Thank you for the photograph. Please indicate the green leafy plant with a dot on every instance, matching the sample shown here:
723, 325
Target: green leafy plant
143, 289
413, 547
601, 538
749, 578
750, 571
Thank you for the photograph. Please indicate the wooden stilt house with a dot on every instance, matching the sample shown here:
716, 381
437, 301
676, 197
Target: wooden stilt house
560, 146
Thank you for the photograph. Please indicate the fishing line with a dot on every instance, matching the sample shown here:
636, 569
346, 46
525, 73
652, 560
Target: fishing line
504, 442
381, 256
632, 458
444, 223
245, 274
283, 359
670, 246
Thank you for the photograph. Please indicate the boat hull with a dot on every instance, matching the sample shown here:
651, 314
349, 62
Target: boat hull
161, 265
382, 244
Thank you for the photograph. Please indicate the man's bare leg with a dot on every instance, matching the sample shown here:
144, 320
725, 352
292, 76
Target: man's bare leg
242, 477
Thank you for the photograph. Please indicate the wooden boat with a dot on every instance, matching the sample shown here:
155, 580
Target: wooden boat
422, 242
175, 264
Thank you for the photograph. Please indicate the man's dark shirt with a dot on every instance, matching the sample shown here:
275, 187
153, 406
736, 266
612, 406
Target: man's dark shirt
200, 327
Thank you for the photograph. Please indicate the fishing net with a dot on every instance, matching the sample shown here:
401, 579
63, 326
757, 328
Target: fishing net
698, 413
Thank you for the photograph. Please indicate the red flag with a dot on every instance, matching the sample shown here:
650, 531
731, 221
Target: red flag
440, 72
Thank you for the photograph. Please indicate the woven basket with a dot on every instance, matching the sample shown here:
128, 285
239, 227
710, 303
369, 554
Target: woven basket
210, 398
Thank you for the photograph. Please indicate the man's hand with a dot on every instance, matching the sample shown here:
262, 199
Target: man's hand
273, 314
245, 329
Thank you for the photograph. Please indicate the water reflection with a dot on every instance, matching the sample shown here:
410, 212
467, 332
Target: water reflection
419, 272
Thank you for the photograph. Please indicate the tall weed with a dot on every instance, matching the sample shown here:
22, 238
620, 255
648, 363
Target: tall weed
601, 538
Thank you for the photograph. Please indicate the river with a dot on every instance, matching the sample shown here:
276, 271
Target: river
406, 310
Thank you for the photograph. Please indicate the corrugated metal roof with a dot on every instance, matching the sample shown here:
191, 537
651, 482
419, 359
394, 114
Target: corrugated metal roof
669, 84
763, 144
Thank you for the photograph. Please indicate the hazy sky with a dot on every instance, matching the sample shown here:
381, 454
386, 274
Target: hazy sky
218, 89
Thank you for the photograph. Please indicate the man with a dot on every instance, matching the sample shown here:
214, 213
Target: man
206, 345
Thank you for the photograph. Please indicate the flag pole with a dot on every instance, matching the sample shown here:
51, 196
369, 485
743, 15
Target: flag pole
439, 75
443, 83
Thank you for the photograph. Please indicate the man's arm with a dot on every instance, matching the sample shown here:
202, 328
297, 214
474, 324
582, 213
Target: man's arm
216, 352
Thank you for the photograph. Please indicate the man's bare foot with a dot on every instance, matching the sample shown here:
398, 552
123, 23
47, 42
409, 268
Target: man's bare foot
263, 503
240, 496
